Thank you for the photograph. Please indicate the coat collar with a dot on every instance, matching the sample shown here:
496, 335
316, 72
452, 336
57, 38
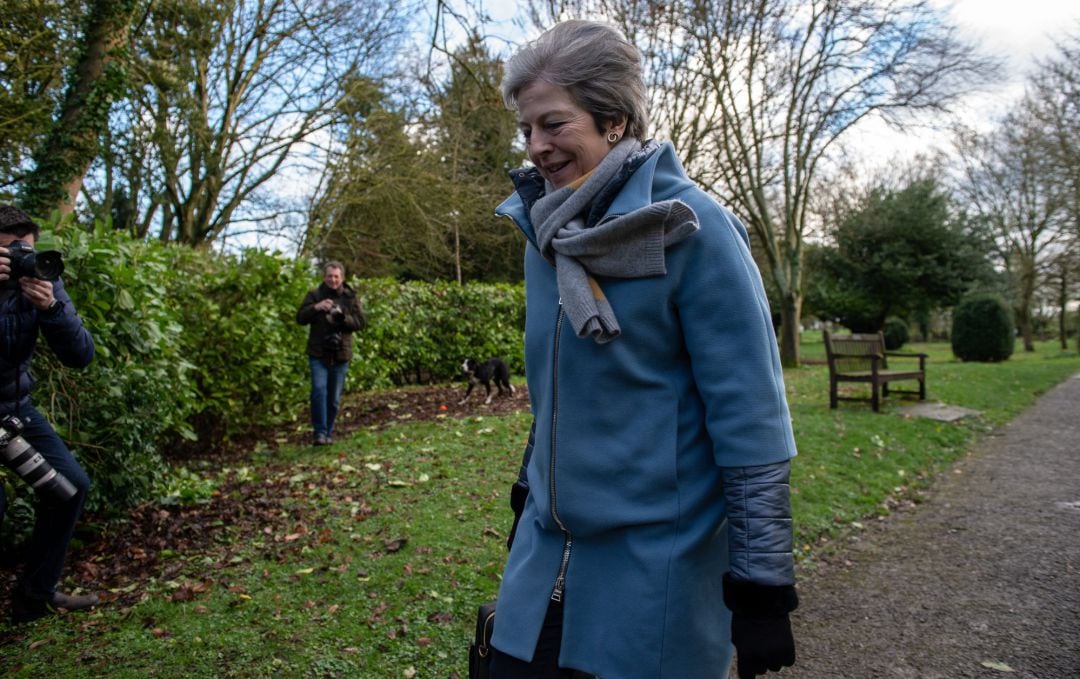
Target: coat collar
660, 177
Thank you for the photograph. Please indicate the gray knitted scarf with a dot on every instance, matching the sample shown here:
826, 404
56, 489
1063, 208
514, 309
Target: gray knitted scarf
620, 246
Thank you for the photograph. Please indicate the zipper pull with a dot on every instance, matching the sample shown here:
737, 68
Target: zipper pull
556, 594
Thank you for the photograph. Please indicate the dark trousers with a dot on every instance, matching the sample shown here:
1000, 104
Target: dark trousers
545, 663
54, 522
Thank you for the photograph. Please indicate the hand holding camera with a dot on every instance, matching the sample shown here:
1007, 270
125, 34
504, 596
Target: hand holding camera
334, 313
22, 267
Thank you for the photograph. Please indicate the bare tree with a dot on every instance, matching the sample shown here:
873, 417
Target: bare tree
755, 94
1052, 102
231, 95
1010, 184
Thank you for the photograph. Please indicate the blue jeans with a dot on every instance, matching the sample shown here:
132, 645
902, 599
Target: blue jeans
327, 382
54, 521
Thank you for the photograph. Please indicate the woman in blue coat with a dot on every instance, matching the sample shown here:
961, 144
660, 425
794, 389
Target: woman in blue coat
653, 527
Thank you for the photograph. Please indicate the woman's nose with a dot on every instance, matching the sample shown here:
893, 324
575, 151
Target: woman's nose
538, 143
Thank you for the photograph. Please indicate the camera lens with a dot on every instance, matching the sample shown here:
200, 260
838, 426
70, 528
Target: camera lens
48, 265
17, 454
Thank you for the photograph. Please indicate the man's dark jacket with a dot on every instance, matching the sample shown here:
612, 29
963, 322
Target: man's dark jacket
20, 324
322, 326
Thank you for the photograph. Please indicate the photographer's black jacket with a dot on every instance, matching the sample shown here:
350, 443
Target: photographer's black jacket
322, 326
20, 324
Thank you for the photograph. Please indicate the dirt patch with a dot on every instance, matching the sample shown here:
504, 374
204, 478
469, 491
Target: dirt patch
375, 409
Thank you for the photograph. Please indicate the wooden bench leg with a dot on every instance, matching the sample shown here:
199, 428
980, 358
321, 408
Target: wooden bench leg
832, 394
875, 401
922, 389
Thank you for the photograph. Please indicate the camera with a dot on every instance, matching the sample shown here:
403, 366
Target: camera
332, 343
26, 262
28, 464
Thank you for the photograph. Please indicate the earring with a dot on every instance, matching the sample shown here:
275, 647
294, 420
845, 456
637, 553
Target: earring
612, 137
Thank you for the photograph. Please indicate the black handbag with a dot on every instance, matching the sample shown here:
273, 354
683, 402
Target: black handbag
480, 648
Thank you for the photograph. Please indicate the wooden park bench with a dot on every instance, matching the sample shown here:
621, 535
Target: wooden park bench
862, 358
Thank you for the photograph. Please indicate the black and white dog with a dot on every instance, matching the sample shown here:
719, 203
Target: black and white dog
485, 373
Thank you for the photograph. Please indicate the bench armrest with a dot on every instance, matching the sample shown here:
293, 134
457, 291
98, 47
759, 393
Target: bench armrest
922, 357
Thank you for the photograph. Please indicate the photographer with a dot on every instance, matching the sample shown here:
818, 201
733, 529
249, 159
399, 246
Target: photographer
333, 311
30, 306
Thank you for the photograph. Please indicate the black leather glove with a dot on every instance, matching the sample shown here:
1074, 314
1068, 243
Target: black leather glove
518, 492
760, 625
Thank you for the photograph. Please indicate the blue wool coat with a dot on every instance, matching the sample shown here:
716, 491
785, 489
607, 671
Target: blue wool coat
625, 506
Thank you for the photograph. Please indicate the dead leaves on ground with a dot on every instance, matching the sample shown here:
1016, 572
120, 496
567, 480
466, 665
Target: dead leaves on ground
184, 553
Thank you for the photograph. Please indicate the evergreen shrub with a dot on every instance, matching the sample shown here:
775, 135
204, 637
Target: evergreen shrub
896, 333
983, 329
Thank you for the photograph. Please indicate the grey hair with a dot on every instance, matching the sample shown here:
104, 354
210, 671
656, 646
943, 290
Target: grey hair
335, 264
594, 62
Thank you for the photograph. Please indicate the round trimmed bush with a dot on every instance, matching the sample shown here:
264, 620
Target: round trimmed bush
896, 334
982, 330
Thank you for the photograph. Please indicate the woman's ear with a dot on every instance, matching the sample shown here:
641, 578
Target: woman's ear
618, 126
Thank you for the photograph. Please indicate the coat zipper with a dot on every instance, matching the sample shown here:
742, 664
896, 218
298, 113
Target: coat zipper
560, 580
568, 543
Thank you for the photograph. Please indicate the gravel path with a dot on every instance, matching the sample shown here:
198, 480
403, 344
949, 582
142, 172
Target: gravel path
981, 580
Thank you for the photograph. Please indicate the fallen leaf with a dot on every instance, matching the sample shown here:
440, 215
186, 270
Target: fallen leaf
995, 665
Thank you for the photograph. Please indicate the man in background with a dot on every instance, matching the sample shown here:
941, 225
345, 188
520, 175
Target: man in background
333, 311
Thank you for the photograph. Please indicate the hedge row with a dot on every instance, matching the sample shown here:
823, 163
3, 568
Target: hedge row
194, 347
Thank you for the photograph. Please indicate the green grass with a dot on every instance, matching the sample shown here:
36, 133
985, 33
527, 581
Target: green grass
325, 587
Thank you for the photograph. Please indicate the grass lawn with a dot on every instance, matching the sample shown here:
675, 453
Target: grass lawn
368, 558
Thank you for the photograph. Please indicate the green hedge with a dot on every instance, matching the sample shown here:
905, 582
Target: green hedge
194, 347
421, 332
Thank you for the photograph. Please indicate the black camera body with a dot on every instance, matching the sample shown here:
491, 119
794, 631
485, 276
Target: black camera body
27, 262
28, 464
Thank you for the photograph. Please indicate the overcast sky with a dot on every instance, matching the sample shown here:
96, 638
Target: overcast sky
1019, 32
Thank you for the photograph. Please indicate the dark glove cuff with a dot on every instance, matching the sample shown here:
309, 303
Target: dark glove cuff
759, 601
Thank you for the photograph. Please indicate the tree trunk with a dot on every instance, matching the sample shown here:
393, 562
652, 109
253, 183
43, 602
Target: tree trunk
72, 144
1023, 308
790, 316
1024, 325
1063, 304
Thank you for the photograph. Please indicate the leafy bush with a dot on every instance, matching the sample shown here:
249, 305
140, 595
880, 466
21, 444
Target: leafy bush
420, 332
238, 314
982, 329
139, 388
896, 333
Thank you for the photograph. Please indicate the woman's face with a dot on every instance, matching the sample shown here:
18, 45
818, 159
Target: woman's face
560, 136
